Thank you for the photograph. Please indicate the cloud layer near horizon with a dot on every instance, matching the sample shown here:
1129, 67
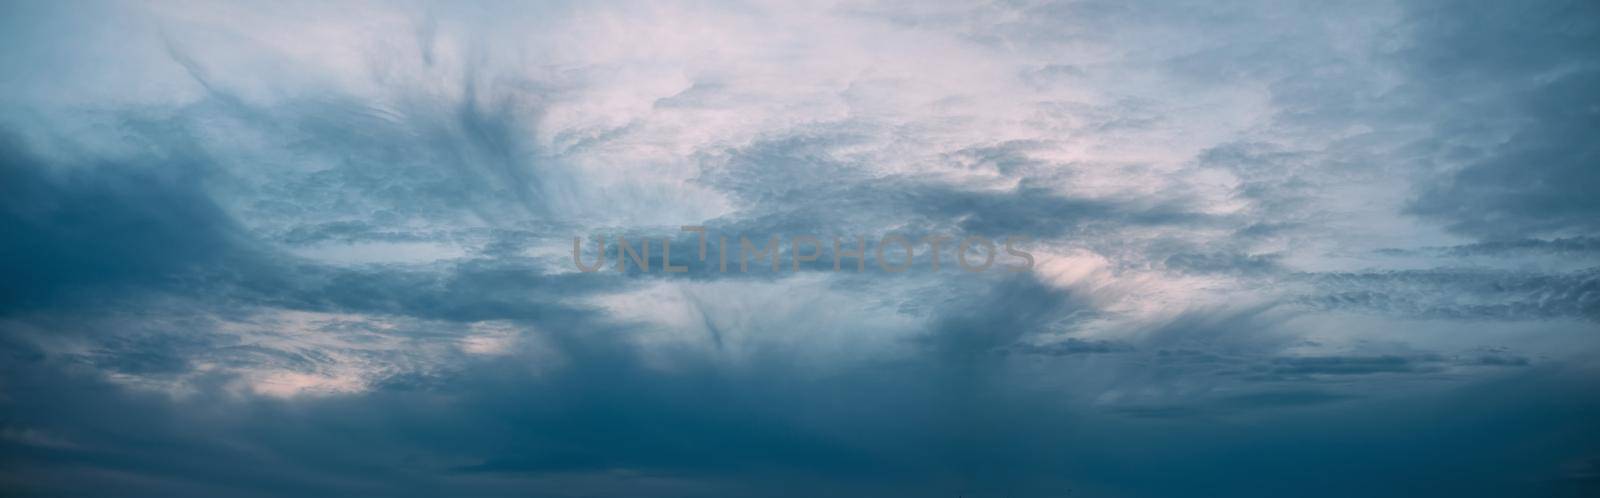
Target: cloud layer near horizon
1282, 249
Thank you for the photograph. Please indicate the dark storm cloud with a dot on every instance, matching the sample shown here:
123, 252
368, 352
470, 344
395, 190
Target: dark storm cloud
1224, 406
1531, 68
1350, 365
96, 222
604, 415
608, 426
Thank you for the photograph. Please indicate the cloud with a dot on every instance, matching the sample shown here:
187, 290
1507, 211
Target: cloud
1532, 178
135, 222
1466, 294
265, 250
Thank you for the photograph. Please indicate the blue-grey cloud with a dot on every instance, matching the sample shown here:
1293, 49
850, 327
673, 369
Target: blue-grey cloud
1306, 249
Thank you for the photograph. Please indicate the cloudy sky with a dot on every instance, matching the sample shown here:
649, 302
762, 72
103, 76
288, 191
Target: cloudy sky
1287, 248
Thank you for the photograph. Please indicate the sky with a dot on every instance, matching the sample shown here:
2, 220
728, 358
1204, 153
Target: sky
1287, 248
